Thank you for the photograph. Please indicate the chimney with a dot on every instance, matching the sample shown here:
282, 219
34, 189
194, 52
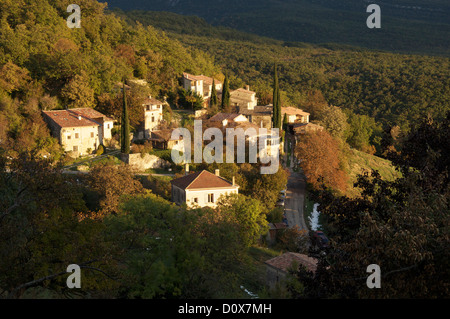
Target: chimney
234, 181
248, 87
217, 172
186, 170
79, 117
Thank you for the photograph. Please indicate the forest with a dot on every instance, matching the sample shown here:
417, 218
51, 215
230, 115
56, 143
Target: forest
408, 26
132, 242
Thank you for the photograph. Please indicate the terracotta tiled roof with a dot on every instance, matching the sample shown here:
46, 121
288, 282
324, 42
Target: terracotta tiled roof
91, 113
258, 110
163, 135
219, 117
206, 79
305, 127
70, 118
152, 101
243, 125
201, 180
284, 262
293, 111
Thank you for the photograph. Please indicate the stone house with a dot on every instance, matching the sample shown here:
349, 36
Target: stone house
201, 189
259, 115
162, 139
80, 131
153, 115
224, 119
201, 85
294, 115
244, 98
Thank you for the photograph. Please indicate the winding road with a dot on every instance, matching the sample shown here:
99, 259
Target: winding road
295, 194
295, 199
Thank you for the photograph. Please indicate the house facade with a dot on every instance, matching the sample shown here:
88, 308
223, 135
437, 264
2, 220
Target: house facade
162, 139
153, 115
224, 119
79, 131
200, 84
201, 189
244, 98
294, 115
260, 115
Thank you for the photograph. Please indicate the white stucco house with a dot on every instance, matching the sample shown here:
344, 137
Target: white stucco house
201, 189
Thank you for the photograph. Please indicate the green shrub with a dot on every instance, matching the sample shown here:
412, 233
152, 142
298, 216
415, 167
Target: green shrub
100, 150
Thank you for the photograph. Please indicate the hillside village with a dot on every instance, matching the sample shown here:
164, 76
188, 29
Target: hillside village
217, 165
82, 131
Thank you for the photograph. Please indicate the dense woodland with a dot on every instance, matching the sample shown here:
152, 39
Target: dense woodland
392, 89
407, 26
131, 242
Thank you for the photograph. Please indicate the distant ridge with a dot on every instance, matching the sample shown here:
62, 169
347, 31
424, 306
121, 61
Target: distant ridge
408, 26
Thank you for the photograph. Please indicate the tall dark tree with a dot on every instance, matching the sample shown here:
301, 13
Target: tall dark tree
125, 128
285, 121
213, 101
226, 94
276, 120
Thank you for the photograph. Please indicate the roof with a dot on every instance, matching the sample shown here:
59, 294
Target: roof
152, 101
258, 110
70, 118
120, 86
242, 90
91, 113
293, 111
206, 79
219, 117
306, 127
201, 180
243, 125
284, 262
163, 135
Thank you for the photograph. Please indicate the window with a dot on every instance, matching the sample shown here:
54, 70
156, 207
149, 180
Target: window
69, 137
153, 119
92, 134
75, 148
210, 198
107, 126
77, 135
196, 200
148, 107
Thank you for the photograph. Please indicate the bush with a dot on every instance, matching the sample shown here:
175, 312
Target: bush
100, 150
136, 148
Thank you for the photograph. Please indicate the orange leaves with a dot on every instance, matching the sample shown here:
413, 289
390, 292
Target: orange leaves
319, 156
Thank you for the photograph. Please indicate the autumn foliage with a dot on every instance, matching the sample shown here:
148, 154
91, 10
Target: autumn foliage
319, 156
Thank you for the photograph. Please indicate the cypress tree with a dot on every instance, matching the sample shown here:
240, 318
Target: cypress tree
226, 94
125, 128
276, 120
213, 101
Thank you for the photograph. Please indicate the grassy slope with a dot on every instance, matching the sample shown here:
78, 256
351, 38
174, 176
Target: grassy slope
358, 162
